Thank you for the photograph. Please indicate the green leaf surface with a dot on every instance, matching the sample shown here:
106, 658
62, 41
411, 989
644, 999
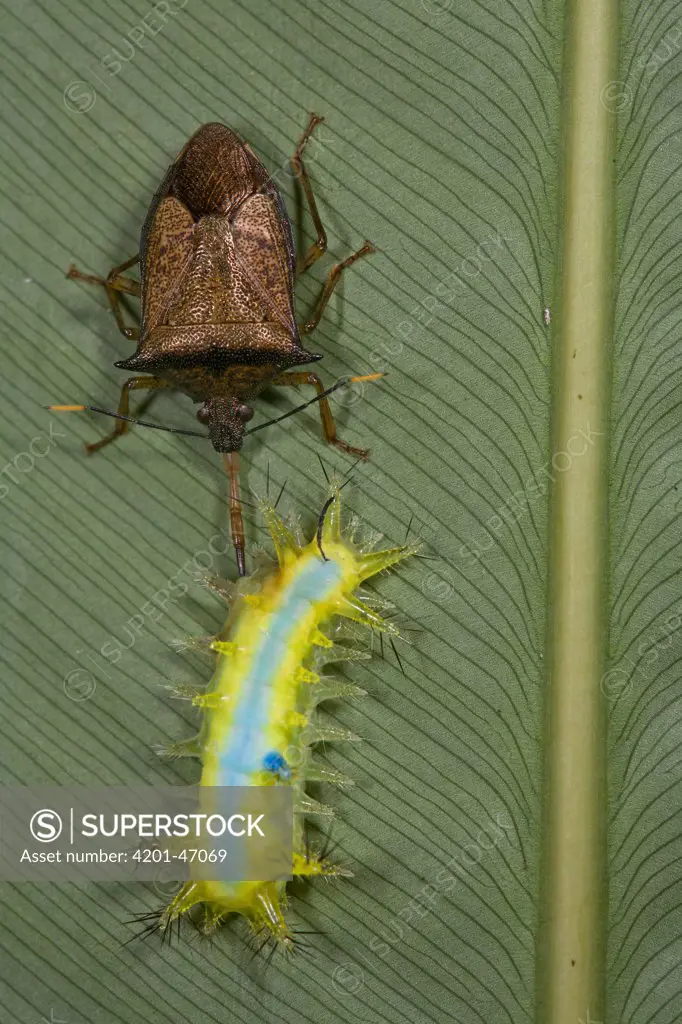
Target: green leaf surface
517, 794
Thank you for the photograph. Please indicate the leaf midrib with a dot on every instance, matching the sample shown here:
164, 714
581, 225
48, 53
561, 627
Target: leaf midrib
571, 952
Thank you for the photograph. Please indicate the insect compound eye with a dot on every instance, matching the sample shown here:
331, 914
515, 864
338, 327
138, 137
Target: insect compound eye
244, 412
203, 415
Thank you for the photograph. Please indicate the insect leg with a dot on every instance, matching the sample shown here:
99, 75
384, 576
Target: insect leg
333, 279
122, 427
320, 246
115, 284
328, 424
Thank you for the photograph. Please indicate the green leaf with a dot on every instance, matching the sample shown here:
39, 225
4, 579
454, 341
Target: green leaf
514, 828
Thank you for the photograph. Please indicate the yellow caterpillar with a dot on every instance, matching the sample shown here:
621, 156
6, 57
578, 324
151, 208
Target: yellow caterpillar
259, 709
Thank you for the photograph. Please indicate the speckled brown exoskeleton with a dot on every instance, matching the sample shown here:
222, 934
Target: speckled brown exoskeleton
217, 269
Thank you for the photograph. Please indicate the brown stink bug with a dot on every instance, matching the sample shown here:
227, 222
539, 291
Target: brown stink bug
217, 268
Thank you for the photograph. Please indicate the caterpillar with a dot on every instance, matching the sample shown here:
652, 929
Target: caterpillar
284, 627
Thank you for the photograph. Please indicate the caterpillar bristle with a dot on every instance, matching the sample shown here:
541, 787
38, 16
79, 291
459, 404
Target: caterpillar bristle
339, 653
329, 734
329, 846
223, 588
152, 922
307, 805
149, 915
302, 948
316, 866
398, 659
182, 748
330, 688
167, 934
316, 772
201, 644
183, 691
270, 955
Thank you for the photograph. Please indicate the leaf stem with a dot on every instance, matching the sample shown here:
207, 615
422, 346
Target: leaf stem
571, 953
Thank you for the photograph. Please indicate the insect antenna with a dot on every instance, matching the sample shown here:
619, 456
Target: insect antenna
344, 382
128, 419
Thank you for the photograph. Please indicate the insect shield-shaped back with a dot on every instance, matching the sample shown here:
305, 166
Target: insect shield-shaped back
217, 265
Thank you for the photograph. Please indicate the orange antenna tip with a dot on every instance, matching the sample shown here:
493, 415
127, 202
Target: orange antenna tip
66, 408
367, 377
